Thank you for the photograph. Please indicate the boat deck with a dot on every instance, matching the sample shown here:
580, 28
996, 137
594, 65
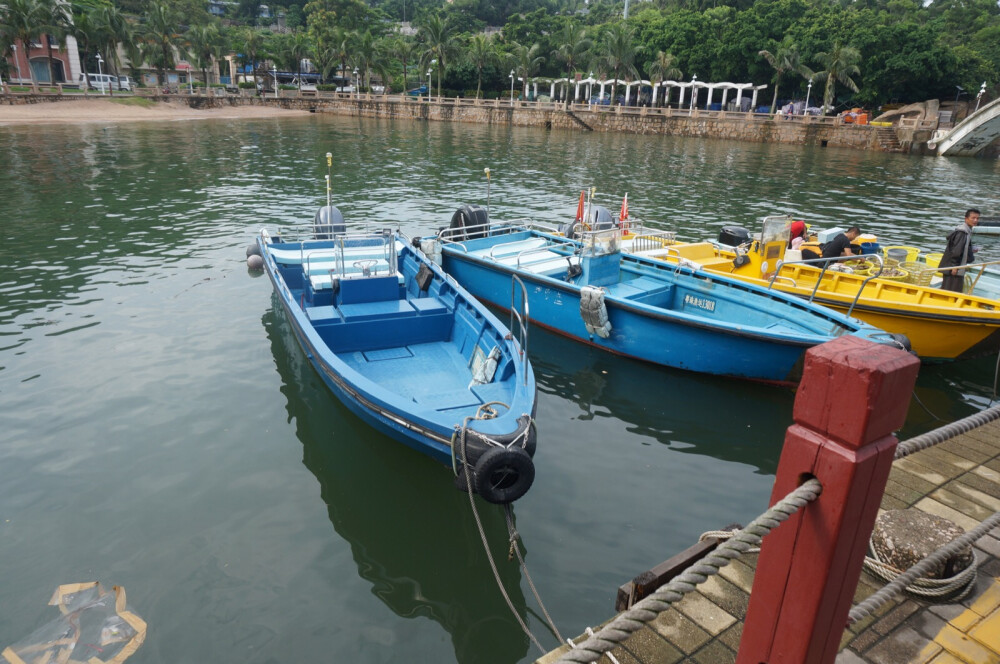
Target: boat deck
408, 370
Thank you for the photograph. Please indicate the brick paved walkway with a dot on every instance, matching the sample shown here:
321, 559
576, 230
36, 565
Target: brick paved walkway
958, 480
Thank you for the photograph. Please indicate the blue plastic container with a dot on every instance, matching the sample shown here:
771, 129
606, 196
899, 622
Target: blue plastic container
869, 248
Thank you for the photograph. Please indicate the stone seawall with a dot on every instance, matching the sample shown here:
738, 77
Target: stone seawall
702, 124
729, 126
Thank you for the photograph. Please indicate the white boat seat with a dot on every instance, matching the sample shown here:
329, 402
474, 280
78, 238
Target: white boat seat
323, 281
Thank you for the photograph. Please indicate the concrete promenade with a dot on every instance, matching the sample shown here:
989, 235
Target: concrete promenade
959, 480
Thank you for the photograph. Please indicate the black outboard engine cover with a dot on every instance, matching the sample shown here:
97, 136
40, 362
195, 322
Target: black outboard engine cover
601, 219
328, 222
568, 229
734, 236
469, 222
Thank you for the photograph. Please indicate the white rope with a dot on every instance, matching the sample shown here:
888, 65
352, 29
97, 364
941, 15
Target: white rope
896, 586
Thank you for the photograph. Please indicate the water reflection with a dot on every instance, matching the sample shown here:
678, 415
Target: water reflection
411, 532
687, 412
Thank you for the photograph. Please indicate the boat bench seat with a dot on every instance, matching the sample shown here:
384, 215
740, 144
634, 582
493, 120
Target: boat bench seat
385, 310
510, 248
323, 281
540, 262
398, 328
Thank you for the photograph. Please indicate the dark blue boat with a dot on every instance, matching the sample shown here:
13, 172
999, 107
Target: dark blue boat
673, 315
412, 353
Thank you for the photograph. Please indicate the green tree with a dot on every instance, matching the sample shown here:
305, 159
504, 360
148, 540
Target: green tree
439, 44
113, 29
526, 63
22, 21
573, 49
840, 63
251, 42
618, 53
664, 67
159, 37
206, 47
481, 52
58, 20
786, 59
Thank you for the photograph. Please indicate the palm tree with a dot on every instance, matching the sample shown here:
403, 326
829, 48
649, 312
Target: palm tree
405, 49
299, 50
22, 20
664, 67
84, 28
57, 25
786, 59
206, 47
574, 45
252, 43
481, 51
526, 62
839, 65
159, 36
338, 51
439, 44
112, 29
618, 53
365, 56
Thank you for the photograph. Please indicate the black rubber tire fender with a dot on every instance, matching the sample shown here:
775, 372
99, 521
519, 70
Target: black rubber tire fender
504, 474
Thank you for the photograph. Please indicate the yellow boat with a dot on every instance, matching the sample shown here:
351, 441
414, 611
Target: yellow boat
941, 325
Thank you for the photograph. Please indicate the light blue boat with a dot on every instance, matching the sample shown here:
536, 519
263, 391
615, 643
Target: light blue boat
675, 316
411, 353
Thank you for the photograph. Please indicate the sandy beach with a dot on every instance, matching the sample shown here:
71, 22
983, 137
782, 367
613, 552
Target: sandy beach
105, 110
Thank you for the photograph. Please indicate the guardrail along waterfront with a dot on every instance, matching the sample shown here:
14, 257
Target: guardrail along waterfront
804, 598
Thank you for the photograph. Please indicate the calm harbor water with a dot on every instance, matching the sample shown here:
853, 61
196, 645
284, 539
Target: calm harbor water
160, 430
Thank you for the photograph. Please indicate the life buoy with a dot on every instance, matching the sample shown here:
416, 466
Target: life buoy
504, 474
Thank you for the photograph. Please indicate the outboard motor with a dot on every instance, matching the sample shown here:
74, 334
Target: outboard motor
568, 229
601, 219
733, 236
469, 222
328, 222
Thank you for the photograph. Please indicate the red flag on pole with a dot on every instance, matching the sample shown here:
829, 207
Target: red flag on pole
579, 210
623, 215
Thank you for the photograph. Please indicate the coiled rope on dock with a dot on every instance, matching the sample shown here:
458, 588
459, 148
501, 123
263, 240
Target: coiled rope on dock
619, 629
897, 585
941, 434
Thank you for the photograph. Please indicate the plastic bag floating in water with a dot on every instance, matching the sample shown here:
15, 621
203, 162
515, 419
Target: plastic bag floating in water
95, 626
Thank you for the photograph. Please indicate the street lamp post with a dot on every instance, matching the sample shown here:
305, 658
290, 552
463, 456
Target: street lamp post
958, 91
430, 84
16, 63
357, 88
694, 90
979, 97
511, 77
809, 90
100, 77
590, 86
274, 70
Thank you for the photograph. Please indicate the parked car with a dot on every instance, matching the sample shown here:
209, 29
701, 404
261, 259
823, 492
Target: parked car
106, 82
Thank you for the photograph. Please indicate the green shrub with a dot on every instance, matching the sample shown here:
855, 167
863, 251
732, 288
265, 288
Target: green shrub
327, 87
247, 85
287, 87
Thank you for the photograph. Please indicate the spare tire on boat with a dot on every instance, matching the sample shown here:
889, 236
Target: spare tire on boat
469, 222
504, 474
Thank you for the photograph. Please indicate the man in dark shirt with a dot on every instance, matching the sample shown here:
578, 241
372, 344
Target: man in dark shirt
958, 252
841, 244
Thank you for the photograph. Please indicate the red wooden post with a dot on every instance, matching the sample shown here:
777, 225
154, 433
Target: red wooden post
853, 395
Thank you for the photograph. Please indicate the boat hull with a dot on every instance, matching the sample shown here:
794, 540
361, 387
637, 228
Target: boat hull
645, 332
430, 410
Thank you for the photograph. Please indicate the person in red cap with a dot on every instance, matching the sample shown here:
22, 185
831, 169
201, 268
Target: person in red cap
797, 235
